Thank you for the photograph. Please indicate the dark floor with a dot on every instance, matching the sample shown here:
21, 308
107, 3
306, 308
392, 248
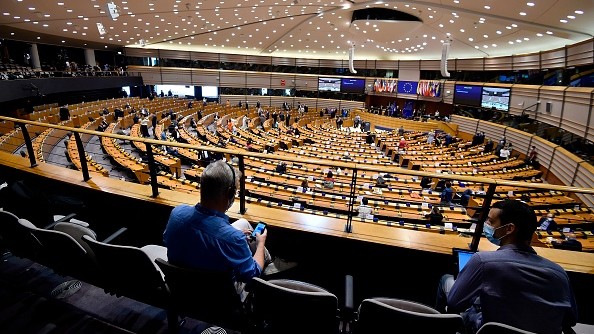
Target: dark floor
27, 305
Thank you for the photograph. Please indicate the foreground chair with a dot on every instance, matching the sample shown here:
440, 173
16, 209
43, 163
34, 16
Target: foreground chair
15, 235
130, 271
287, 306
380, 315
499, 328
204, 295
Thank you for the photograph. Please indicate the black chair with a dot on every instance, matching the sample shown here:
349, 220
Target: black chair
499, 328
380, 315
204, 295
15, 235
130, 271
287, 306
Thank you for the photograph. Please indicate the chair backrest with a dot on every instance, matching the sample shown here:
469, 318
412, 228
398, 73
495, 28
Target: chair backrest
499, 328
288, 306
15, 235
128, 271
65, 255
210, 296
378, 315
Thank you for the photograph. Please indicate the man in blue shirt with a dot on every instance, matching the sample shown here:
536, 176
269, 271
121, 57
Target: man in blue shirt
512, 285
447, 194
201, 236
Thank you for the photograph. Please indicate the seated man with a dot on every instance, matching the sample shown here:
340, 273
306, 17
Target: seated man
512, 285
447, 194
364, 208
547, 223
201, 236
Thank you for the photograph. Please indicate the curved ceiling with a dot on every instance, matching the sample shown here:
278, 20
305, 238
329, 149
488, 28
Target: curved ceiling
306, 28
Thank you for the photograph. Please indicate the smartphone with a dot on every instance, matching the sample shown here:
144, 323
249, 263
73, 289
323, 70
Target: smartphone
259, 229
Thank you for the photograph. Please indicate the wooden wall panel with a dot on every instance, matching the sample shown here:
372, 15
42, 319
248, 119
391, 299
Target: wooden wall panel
524, 96
465, 124
576, 109
448, 92
475, 64
526, 62
409, 65
581, 53
174, 54
564, 165
258, 60
306, 82
141, 52
554, 96
386, 64
205, 56
277, 80
150, 75
232, 79
431, 65
519, 140
498, 63
258, 80
232, 58
333, 63
176, 76
585, 178
553, 58
203, 77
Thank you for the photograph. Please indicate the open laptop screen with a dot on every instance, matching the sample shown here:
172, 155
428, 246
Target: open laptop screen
461, 257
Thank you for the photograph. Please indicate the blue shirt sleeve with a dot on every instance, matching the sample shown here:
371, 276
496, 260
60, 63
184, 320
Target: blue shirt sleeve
239, 255
467, 286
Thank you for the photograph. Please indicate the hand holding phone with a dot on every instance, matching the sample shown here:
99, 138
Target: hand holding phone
259, 229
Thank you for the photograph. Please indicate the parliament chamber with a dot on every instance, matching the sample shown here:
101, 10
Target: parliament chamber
346, 181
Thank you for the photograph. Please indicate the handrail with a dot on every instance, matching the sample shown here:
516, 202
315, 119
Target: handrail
379, 169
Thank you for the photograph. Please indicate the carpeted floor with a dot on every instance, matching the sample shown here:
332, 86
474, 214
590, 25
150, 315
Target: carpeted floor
27, 306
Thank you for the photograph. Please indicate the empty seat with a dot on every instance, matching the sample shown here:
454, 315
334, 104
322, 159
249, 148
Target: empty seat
287, 306
379, 315
499, 328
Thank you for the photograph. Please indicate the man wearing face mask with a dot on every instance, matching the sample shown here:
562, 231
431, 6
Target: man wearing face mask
512, 285
201, 236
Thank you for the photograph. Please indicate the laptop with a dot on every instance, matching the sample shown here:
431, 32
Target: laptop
461, 257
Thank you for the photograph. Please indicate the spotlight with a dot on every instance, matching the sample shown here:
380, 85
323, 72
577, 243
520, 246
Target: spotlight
113, 11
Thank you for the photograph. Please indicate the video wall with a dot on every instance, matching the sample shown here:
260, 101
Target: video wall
329, 84
482, 96
494, 97
356, 86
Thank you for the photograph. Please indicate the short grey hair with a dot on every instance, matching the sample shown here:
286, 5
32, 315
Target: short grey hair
216, 179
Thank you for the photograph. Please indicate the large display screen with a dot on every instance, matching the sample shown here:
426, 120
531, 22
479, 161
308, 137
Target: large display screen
352, 86
385, 85
210, 91
468, 95
329, 84
407, 87
494, 97
429, 88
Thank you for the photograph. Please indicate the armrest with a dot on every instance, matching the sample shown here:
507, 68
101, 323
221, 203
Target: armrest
115, 235
348, 311
60, 220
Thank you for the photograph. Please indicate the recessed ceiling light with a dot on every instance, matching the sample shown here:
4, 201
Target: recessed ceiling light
579, 12
570, 17
563, 21
530, 4
522, 13
487, 7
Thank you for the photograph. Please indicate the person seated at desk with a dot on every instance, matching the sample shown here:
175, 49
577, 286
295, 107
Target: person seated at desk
202, 237
248, 146
380, 182
447, 194
426, 182
435, 217
547, 223
512, 285
305, 185
328, 180
364, 209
